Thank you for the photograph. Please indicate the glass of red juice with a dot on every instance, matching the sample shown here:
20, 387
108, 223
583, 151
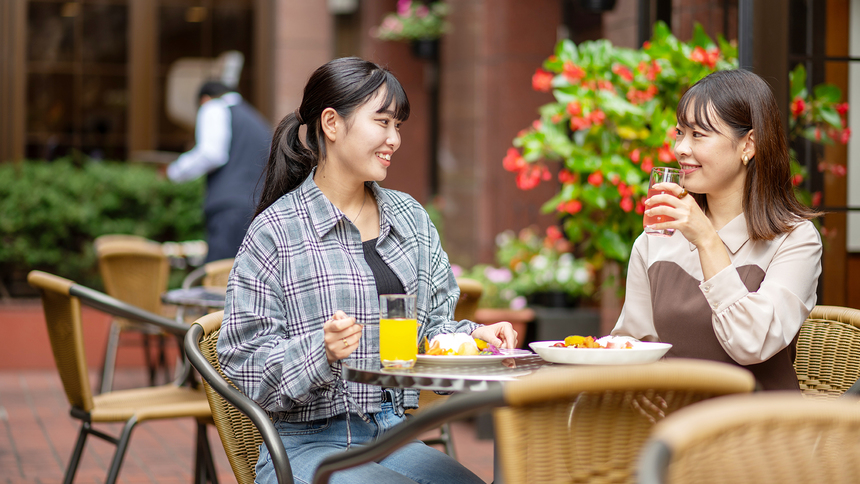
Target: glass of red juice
661, 174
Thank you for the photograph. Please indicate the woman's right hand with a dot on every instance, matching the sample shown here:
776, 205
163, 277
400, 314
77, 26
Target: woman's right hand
342, 335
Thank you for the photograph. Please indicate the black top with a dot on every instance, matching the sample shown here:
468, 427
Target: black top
386, 280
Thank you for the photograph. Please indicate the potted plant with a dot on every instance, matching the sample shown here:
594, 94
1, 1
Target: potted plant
417, 23
612, 119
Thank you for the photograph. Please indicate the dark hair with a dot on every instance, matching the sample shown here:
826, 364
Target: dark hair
213, 89
343, 84
744, 102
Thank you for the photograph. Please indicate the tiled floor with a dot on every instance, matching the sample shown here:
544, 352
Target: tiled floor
37, 435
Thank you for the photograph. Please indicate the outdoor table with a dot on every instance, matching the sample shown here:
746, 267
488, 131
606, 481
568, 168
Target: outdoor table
445, 377
197, 296
440, 377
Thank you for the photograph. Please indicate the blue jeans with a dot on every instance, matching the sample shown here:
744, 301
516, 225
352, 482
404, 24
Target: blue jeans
308, 443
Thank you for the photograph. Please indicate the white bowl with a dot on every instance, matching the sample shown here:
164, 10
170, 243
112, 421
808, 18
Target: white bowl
641, 352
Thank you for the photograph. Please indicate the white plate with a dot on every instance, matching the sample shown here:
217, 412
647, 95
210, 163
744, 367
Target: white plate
641, 352
472, 360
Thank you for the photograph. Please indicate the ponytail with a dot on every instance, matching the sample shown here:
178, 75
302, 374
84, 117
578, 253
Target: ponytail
289, 162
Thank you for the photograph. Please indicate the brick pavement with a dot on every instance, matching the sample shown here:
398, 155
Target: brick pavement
37, 435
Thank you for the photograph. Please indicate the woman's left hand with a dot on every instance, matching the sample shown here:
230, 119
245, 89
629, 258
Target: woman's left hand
501, 334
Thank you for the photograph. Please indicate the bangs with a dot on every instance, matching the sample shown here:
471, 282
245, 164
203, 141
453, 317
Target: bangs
702, 108
393, 92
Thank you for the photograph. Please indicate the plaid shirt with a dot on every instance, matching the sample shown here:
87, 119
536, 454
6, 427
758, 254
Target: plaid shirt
301, 261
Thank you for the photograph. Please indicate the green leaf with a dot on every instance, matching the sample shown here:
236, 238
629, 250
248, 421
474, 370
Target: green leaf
613, 245
797, 81
830, 116
827, 93
700, 37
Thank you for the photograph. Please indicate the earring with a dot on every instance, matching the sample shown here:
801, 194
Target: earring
745, 159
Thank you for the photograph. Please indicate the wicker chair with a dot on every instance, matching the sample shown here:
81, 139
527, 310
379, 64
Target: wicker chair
765, 438
243, 425
211, 274
134, 270
61, 300
827, 362
587, 424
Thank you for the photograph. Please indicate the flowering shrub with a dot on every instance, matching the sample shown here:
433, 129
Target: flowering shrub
819, 117
530, 264
613, 120
413, 21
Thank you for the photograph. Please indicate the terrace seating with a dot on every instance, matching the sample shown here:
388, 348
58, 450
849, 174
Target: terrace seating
61, 301
827, 362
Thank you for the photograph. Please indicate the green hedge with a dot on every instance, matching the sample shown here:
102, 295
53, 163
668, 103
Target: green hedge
50, 212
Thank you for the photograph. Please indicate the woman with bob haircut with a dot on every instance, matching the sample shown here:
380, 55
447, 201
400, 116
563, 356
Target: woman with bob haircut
303, 294
739, 276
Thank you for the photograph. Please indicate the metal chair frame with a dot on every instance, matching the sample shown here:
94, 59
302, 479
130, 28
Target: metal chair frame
56, 292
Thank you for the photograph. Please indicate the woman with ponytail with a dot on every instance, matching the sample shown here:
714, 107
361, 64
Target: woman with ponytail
303, 295
739, 276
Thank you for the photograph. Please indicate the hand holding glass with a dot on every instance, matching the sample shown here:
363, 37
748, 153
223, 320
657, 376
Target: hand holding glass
398, 330
661, 174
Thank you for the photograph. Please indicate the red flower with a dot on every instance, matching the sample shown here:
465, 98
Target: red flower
556, 118
671, 133
623, 72
553, 233
566, 176
572, 72
595, 178
798, 107
797, 179
705, 57
816, 199
838, 170
577, 124
605, 85
647, 164
574, 108
542, 80
571, 207
817, 134
841, 108
529, 177
635, 156
646, 45
537, 124
615, 179
624, 190
845, 136
597, 116
626, 204
665, 154
513, 161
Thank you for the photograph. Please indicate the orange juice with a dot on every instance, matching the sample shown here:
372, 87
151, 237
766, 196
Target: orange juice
398, 342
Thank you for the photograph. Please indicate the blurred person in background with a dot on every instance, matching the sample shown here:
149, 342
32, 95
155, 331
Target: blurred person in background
232, 146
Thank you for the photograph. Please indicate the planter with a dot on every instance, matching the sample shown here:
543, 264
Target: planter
553, 299
425, 48
520, 319
557, 323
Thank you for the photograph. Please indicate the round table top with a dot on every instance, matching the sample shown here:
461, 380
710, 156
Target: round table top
197, 296
447, 377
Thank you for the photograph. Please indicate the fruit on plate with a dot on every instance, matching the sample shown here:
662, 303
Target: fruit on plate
458, 344
606, 342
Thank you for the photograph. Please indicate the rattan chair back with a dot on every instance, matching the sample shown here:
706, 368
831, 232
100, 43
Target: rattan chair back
764, 438
588, 424
63, 318
827, 361
217, 272
470, 294
134, 270
240, 437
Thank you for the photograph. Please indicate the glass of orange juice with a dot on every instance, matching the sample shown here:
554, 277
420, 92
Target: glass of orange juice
661, 174
398, 330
